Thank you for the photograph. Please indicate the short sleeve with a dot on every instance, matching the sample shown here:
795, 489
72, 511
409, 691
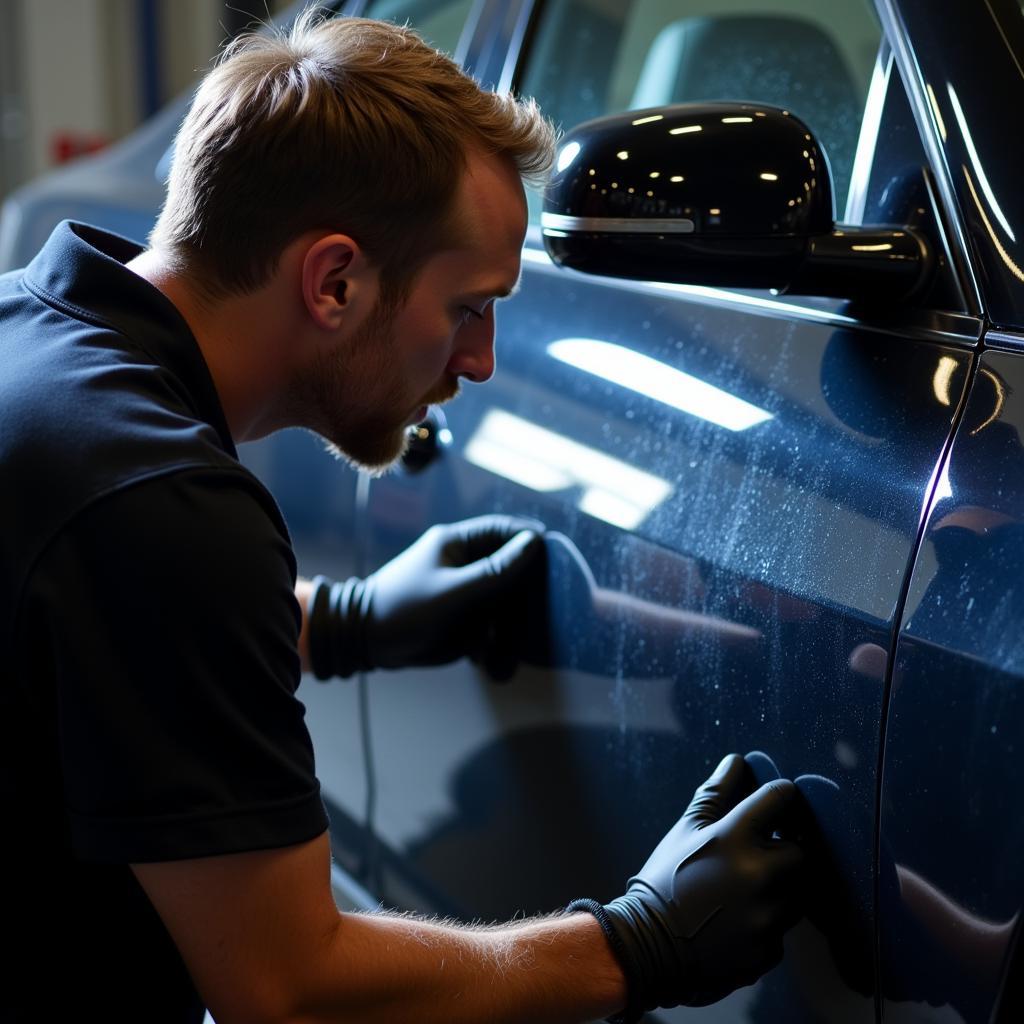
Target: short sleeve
173, 629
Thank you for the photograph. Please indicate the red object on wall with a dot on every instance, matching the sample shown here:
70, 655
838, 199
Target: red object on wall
65, 146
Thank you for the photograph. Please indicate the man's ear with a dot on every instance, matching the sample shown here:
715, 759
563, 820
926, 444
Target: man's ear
338, 283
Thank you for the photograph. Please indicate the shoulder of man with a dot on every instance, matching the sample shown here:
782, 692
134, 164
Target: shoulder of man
165, 620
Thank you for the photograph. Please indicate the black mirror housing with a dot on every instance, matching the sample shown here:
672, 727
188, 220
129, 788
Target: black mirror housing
728, 194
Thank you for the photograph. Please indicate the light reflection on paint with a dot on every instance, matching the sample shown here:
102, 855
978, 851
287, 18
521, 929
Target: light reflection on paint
942, 379
1000, 401
983, 182
657, 380
542, 460
569, 153
943, 489
938, 488
933, 100
1000, 248
610, 507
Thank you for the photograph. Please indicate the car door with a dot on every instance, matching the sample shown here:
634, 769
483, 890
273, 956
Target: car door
732, 484
952, 831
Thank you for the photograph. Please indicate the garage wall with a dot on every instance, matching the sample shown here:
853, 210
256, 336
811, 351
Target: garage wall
83, 72
78, 74
12, 118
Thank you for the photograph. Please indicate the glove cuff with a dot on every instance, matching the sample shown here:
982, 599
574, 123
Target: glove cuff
334, 623
633, 1010
640, 918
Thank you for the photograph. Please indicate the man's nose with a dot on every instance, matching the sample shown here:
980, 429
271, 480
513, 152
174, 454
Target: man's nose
474, 350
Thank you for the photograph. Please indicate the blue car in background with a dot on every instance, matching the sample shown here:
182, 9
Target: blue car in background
781, 464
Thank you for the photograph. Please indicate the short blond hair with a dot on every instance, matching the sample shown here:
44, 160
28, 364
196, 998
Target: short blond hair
346, 124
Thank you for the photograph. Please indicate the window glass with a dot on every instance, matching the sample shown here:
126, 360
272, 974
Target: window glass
815, 58
440, 22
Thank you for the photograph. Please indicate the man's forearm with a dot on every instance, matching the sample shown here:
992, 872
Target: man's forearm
303, 592
378, 969
265, 944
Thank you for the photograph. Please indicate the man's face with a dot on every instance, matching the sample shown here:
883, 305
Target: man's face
367, 391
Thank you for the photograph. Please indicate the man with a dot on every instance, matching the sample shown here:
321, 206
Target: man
344, 209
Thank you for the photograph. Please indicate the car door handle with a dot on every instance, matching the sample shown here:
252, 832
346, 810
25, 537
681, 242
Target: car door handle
427, 441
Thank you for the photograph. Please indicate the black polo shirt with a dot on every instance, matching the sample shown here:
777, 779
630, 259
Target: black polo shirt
148, 637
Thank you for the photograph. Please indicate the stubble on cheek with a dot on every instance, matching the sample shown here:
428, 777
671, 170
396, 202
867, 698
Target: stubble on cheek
356, 400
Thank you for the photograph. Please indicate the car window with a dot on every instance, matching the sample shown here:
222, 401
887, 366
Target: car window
815, 58
440, 22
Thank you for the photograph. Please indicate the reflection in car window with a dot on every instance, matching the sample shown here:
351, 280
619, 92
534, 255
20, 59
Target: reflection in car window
813, 57
440, 22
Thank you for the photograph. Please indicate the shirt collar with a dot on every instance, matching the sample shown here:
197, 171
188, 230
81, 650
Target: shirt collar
81, 271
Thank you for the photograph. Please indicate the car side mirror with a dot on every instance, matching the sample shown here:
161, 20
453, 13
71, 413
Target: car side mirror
727, 194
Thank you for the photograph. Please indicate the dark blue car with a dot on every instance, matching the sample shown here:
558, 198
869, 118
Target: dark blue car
781, 464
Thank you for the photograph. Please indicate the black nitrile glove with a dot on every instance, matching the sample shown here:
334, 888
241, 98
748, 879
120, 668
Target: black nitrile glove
707, 912
441, 599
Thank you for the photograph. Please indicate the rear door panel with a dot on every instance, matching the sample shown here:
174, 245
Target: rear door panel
952, 827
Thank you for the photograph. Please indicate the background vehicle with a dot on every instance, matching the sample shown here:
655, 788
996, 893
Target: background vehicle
819, 556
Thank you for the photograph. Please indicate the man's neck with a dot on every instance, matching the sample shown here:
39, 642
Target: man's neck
239, 338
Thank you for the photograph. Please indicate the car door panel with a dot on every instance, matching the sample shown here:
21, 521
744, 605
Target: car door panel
952, 832
709, 589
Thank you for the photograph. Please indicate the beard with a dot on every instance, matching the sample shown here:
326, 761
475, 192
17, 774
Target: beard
356, 400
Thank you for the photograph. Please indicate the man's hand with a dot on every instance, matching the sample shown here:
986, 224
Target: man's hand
441, 599
706, 913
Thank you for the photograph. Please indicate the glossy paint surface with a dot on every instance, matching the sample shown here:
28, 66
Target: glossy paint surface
725, 558
952, 840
